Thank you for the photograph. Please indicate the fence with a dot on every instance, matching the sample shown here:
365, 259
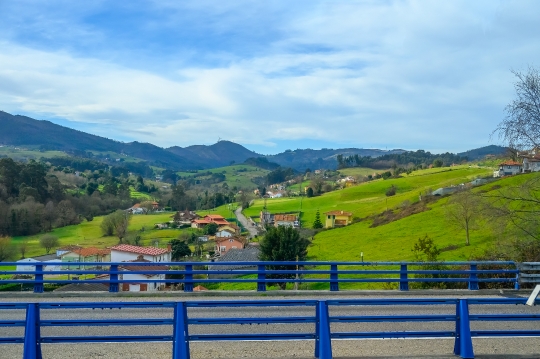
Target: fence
470, 273
321, 320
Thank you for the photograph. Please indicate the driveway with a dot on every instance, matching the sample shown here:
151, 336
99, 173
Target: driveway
246, 223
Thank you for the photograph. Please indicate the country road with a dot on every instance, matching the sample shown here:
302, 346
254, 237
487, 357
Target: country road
398, 348
246, 223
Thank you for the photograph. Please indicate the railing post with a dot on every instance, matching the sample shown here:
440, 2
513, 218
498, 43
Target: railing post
38, 279
180, 332
113, 281
317, 329
32, 336
261, 276
188, 284
516, 283
403, 278
324, 342
334, 284
463, 340
473, 278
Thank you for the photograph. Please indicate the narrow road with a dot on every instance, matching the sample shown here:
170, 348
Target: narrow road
246, 223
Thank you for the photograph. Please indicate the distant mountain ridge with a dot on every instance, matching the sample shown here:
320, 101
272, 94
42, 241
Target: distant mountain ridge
19, 130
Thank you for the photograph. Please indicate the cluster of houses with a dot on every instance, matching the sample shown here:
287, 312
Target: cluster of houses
332, 219
531, 163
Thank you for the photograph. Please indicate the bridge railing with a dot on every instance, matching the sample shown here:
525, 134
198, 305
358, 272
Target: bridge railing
321, 332
261, 274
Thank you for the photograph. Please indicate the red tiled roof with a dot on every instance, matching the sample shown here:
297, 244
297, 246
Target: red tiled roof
339, 213
214, 216
152, 251
284, 217
201, 221
222, 239
220, 222
91, 251
510, 163
136, 205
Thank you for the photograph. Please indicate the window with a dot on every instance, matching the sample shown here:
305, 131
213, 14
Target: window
222, 249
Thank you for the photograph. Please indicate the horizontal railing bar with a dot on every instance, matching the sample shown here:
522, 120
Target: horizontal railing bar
270, 320
108, 339
12, 340
425, 301
388, 335
282, 263
503, 317
12, 323
272, 336
105, 305
103, 322
393, 318
505, 333
247, 303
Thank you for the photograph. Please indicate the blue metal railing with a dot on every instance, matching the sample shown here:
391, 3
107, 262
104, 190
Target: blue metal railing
321, 320
262, 273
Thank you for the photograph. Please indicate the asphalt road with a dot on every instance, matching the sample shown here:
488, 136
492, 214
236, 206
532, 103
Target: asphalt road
397, 348
246, 223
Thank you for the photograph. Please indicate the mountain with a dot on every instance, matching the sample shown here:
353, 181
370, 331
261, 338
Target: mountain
324, 158
479, 153
219, 154
21, 130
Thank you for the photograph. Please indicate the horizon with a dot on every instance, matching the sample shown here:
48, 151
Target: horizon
398, 74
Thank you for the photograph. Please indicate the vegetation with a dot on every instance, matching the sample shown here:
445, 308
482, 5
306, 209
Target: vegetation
48, 242
282, 244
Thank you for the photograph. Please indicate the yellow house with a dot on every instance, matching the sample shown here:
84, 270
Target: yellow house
337, 219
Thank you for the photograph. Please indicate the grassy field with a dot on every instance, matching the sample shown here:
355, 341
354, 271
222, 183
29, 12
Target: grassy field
369, 197
88, 234
360, 171
23, 154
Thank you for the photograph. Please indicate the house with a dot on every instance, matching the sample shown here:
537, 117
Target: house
337, 219
210, 218
136, 209
90, 254
225, 233
142, 284
531, 163
51, 263
66, 249
249, 254
230, 227
127, 252
289, 220
266, 218
509, 168
185, 217
223, 245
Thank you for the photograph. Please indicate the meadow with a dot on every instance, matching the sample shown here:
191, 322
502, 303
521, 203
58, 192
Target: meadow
236, 175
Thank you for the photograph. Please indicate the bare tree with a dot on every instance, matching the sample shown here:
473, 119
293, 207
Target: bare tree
520, 129
463, 211
23, 247
6, 248
48, 241
121, 223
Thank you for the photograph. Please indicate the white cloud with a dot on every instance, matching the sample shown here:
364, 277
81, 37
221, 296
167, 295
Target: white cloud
409, 74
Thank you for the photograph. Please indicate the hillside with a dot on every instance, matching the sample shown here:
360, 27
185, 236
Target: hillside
392, 241
219, 154
480, 153
301, 159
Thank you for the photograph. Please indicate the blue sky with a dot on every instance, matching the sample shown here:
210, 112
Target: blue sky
270, 75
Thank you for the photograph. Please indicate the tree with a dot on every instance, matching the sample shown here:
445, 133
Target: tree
211, 229
7, 250
520, 129
48, 241
147, 206
107, 226
438, 163
283, 244
463, 211
317, 223
317, 184
391, 191
23, 247
309, 192
180, 249
121, 223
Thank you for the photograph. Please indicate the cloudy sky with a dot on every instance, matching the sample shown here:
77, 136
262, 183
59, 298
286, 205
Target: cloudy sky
270, 75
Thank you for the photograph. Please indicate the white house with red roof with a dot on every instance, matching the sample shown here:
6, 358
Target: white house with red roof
127, 252
142, 285
508, 168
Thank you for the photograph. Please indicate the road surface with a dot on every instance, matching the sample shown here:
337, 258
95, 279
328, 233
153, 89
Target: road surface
397, 348
246, 223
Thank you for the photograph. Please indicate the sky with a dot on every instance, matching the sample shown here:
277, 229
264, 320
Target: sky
270, 75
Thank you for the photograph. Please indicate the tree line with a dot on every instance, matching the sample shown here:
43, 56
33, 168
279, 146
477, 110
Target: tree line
414, 158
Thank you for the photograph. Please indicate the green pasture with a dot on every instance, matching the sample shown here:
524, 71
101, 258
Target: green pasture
21, 154
88, 234
226, 211
236, 175
368, 198
360, 171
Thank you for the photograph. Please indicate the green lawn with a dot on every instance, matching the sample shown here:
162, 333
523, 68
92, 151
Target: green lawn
236, 175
